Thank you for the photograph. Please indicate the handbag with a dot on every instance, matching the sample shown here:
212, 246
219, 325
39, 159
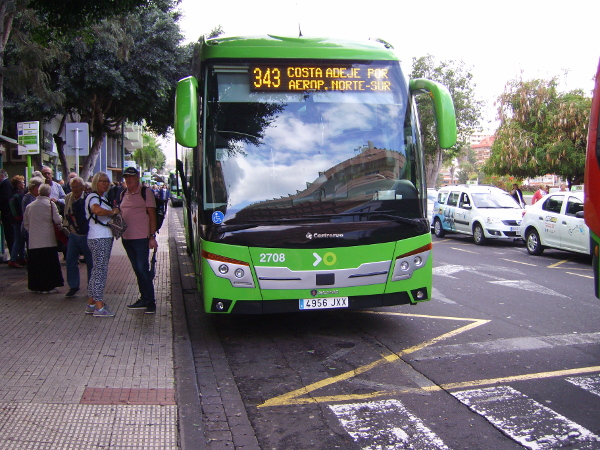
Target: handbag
118, 225
61, 233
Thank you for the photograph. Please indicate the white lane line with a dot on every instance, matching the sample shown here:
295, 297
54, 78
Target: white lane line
528, 286
528, 422
590, 384
385, 424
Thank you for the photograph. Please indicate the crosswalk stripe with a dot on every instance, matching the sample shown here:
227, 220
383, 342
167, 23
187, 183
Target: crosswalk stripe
590, 384
528, 422
385, 424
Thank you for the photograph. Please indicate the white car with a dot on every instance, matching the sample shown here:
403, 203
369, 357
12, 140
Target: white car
431, 199
556, 221
485, 212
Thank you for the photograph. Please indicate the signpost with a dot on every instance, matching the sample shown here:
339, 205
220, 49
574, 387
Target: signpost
28, 138
78, 141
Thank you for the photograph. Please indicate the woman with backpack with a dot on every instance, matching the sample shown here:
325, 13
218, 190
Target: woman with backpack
75, 220
100, 241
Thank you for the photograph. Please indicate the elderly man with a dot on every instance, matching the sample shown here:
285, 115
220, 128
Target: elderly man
57, 194
67, 186
78, 238
138, 206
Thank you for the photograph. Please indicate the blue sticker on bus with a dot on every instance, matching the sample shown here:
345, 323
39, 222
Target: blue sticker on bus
218, 217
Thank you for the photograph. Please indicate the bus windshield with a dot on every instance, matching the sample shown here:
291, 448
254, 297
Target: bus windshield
335, 152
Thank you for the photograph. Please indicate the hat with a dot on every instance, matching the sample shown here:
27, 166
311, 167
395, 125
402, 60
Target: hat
131, 171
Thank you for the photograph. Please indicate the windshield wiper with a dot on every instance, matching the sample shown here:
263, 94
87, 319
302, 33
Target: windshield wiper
417, 223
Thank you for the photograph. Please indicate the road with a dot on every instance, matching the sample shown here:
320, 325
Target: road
506, 355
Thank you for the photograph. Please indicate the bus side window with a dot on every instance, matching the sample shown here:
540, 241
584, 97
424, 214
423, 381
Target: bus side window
442, 196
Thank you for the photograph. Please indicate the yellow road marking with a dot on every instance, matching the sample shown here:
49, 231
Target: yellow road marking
556, 264
524, 377
462, 250
292, 398
519, 262
443, 387
580, 275
302, 396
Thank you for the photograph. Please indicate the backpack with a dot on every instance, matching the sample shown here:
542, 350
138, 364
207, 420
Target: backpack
160, 207
77, 218
16, 209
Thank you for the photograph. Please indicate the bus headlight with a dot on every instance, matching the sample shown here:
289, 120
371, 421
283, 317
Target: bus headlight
237, 272
409, 262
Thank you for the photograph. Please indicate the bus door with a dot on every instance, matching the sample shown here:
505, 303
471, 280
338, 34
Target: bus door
462, 216
574, 234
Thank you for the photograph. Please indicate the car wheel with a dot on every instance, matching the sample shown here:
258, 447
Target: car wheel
438, 229
478, 236
533, 243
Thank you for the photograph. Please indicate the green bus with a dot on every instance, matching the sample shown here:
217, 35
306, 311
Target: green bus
303, 175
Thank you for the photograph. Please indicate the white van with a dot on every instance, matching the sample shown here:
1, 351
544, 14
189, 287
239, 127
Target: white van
484, 212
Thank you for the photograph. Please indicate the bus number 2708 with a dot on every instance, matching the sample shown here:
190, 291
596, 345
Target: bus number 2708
272, 257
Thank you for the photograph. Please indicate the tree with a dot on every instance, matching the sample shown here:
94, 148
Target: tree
459, 82
127, 71
150, 156
541, 131
51, 18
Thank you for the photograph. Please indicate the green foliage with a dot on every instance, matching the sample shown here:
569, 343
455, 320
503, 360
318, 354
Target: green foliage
459, 82
69, 16
150, 156
127, 71
541, 131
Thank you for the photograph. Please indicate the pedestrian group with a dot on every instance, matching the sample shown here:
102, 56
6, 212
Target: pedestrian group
34, 217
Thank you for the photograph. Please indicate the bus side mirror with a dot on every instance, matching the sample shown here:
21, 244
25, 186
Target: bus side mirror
186, 112
445, 116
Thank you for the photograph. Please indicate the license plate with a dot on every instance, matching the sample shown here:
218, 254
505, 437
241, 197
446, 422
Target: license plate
515, 228
323, 303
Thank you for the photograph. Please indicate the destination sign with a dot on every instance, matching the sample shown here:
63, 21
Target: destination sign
321, 77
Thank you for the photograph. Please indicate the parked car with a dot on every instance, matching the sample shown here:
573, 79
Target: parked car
431, 199
484, 212
556, 221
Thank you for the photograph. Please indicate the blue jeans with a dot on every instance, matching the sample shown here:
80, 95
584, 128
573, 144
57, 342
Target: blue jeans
138, 253
77, 245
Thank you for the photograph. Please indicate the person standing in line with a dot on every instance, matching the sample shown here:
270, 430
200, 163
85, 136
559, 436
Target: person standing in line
100, 242
67, 186
165, 195
541, 192
43, 266
5, 214
32, 191
517, 194
17, 253
140, 236
57, 194
77, 244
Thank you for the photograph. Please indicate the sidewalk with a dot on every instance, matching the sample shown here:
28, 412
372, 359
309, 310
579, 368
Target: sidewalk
71, 380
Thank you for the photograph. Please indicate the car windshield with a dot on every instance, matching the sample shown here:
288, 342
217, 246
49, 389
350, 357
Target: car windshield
494, 200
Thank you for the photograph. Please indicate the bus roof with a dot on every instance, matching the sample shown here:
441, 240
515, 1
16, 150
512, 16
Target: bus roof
296, 48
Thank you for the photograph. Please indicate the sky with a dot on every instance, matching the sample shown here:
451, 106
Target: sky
497, 41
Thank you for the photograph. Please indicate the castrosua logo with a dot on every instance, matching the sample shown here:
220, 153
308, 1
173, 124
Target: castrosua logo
310, 235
